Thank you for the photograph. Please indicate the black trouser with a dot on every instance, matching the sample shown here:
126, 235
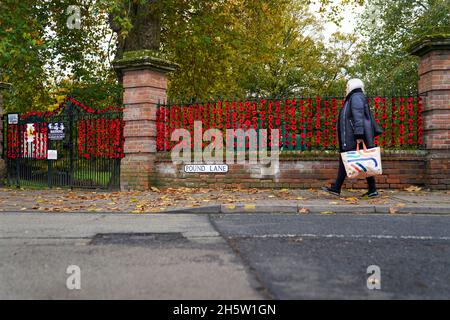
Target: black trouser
342, 174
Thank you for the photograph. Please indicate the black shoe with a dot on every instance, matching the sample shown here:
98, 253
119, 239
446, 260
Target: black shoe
371, 194
332, 191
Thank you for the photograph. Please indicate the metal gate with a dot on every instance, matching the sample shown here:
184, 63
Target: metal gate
73, 146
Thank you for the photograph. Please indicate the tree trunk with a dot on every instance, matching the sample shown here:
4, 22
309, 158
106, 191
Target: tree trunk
146, 31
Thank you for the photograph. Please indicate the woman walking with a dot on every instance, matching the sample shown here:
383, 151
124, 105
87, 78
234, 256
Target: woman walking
355, 126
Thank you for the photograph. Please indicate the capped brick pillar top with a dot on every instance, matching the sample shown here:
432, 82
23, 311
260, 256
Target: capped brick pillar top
144, 79
434, 87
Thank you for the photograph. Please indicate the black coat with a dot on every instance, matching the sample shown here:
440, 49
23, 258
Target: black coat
355, 122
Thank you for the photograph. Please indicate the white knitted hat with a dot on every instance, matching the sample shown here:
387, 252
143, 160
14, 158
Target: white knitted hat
353, 84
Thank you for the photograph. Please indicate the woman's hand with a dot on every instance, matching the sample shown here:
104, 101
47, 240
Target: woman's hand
359, 141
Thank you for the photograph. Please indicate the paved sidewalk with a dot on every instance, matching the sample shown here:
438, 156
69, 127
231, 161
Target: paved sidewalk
201, 200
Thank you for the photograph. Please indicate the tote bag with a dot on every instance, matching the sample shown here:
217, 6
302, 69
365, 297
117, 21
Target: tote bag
362, 163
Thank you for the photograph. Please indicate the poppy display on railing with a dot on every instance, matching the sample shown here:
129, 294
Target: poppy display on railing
100, 138
95, 133
304, 123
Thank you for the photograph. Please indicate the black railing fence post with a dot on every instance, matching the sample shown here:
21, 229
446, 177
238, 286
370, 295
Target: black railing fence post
71, 144
19, 155
49, 166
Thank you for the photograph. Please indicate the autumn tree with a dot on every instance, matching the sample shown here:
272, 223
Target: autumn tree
389, 28
224, 48
45, 59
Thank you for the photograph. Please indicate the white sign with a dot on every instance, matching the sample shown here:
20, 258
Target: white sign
206, 168
56, 131
13, 118
52, 154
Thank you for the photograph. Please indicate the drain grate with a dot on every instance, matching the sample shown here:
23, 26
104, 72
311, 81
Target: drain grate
135, 238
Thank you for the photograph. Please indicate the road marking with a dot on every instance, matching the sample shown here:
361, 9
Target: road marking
356, 236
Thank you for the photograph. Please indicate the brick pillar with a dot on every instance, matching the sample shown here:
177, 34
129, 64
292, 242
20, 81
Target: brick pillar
2, 161
145, 84
434, 86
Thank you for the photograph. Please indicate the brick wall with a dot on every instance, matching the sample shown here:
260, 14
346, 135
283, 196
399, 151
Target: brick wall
145, 84
400, 169
143, 90
434, 85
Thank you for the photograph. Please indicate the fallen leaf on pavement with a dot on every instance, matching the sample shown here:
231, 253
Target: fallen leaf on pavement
413, 189
155, 189
378, 201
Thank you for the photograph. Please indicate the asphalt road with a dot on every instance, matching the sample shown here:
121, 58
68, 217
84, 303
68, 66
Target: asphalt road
119, 257
327, 256
248, 256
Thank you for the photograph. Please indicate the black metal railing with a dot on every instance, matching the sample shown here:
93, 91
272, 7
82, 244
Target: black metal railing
73, 147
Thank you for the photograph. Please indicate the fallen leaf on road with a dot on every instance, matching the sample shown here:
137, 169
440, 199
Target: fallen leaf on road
393, 210
303, 210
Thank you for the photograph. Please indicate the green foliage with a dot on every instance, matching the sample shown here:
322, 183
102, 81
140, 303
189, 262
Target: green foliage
44, 59
390, 27
244, 48
224, 48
